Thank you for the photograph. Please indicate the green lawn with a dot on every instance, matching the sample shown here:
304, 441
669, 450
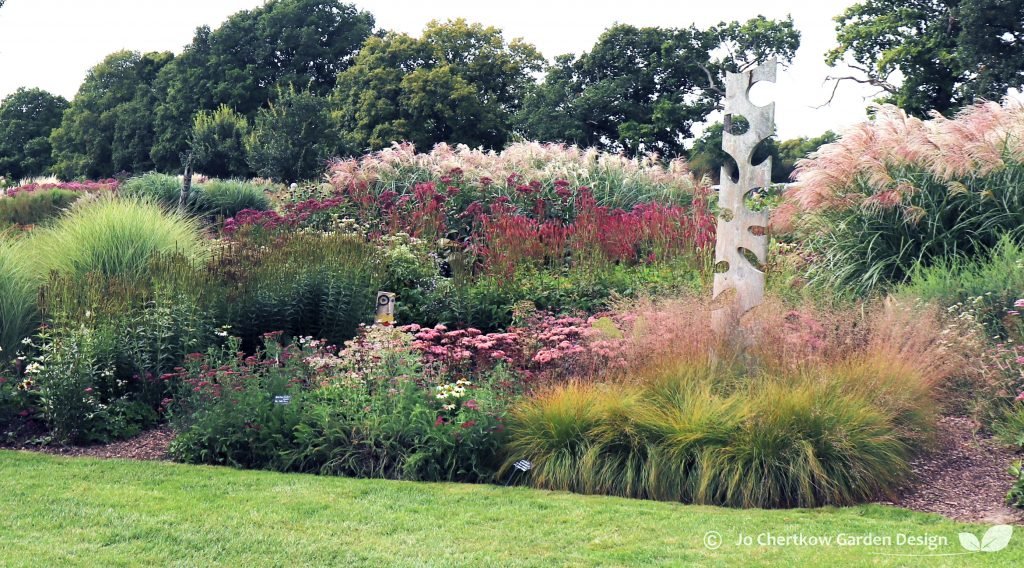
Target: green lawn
77, 511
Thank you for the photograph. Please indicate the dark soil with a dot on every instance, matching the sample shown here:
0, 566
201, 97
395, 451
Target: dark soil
964, 478
150, 445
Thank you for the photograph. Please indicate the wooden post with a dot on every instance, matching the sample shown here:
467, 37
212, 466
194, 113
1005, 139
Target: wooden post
186, 183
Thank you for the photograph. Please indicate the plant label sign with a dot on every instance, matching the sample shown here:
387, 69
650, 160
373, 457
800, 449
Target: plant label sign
385, 309
282, 399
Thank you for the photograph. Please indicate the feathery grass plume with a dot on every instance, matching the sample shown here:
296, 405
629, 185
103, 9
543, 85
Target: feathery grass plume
898, 193
115, 236
616, 181
18, 289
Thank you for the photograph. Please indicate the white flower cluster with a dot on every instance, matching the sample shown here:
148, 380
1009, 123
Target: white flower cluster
452, 390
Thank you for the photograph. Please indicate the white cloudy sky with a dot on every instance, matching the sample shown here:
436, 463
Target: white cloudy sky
52, 43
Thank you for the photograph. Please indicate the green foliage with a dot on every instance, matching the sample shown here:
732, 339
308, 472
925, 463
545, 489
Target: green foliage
27, 117
225, 198
63, 375
487, 301
699, 433
107, 129
374, 522
114, 237
641, 90
707, 158
1015, 497
1010, 429
795, 149
33, 207
987, 287
363, 415
114, 341
292, 139
18, 289
946, 54
304, 43
459, 82
218, 142
305, 284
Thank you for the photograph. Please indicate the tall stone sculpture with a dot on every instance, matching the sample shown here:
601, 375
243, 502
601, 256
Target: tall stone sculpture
740, 286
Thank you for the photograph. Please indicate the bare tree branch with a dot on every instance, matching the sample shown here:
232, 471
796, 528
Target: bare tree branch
882, 84
711, 80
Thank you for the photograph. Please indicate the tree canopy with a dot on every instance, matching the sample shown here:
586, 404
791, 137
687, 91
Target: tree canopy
242, 63
926, 55
27, 117
643, 89
107, 127
459, 82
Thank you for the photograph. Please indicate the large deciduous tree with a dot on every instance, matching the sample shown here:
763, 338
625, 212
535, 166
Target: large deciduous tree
27, 118
241, 64
459, 83
643, 89
926, 55
108, 128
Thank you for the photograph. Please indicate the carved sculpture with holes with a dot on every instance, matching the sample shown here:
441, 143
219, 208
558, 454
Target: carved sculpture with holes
741, 286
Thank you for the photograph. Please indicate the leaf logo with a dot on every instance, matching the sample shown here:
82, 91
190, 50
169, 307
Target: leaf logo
994, 540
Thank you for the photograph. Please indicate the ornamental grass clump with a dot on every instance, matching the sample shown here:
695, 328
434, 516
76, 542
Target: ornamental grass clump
225, 198
898, 193
161, 188
115, 237
740, 428
18, 289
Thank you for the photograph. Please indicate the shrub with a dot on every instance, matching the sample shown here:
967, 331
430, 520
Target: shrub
225, 198
18, 289
898, 193
34, 207
115, 237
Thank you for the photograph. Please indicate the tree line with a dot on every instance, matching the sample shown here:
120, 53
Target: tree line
277, 90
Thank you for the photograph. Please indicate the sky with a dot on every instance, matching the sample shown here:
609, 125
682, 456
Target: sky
51, 44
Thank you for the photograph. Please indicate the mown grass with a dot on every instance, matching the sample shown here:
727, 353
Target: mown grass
76, 511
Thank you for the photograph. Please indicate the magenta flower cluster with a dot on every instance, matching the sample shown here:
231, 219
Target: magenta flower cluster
81, 186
